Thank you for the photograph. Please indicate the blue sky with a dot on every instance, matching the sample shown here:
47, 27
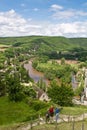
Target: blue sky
43, 17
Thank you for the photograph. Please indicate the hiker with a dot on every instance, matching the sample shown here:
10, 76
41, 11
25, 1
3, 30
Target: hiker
47, 116
57, 110
51, 112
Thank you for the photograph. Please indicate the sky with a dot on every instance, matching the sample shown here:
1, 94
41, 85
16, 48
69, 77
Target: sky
66, 18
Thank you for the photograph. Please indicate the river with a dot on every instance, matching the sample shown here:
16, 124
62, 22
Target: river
34, 74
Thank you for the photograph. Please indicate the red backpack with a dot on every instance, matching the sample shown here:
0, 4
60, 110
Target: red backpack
51, 110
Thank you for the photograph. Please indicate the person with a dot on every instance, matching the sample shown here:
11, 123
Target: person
47, 116
51, 112
57, 110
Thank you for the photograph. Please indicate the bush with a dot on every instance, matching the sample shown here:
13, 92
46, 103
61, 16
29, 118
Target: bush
38, 105
29, 91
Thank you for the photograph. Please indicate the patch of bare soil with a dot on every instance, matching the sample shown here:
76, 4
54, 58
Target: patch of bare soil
68, 61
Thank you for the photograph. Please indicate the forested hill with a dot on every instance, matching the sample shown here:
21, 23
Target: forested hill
52, 42
51, 46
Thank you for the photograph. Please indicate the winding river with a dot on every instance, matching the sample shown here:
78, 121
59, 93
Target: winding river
34, 74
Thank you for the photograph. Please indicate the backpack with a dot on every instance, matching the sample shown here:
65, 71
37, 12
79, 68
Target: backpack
51, 110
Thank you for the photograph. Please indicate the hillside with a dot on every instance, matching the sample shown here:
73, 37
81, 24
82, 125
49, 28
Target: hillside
53, 47
59, 42
56, 43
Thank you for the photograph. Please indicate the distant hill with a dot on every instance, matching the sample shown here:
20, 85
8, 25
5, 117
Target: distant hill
58, 43
49, 45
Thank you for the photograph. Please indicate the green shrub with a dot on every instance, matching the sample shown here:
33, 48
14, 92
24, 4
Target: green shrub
38, 105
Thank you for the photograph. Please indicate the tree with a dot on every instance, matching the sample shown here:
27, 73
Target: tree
49, 74
24, 75
29, 91
2, 84
35, 63
62, 61
15, 92
41, 84
61, 95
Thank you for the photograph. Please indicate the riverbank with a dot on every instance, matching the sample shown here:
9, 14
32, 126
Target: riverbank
34, 74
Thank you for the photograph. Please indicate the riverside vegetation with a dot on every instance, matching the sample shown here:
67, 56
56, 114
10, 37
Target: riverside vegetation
18, 103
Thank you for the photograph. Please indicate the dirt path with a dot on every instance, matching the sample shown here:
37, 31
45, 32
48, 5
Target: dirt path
62, 118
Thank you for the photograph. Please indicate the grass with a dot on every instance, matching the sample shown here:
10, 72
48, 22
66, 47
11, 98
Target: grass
18, 112
76, 110
62, 126
11, 112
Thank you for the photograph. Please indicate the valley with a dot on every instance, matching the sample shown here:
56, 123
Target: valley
29, 65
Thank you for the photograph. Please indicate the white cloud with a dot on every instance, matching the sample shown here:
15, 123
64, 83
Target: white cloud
66, 14
81, 13
75, 29
85, 4
35, 9
12, 24
60, 13
23, 5
56, 7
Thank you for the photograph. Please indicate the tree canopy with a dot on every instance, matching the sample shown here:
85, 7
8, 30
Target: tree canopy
61, 95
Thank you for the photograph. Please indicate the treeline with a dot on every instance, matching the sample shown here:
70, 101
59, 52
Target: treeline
71, 55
